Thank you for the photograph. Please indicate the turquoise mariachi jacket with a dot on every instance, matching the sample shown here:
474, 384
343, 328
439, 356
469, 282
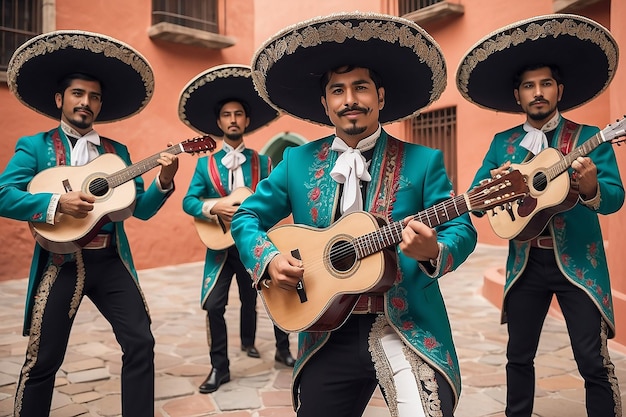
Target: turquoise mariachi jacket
34, 154
414, 179
203, 185
579, 250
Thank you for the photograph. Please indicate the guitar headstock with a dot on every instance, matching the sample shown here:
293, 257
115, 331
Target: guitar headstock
615, 132
199, 144
494, 192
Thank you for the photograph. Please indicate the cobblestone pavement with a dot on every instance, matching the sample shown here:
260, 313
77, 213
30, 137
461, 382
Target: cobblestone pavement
88, 382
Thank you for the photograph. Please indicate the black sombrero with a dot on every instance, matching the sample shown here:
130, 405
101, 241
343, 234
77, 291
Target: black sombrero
196, 106
288, 67
584, 51
37, 66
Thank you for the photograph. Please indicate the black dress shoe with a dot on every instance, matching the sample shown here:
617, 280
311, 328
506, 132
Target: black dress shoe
251, 351
213, 381
285, 358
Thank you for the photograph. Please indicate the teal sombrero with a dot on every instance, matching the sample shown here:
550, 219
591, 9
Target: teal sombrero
37, 67
583, 50
288, 67
198, 99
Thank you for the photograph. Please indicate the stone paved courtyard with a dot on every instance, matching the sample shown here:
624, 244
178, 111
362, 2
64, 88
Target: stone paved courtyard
88, 383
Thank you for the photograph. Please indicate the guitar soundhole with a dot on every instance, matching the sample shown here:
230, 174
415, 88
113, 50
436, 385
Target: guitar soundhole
99, 187
342, 256
540, 181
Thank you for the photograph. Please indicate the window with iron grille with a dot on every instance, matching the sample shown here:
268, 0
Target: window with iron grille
408, 6
194, 14
437, 129
20, 20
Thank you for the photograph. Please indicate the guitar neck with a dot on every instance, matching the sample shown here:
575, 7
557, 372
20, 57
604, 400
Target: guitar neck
124, 175
582, 150
391, 234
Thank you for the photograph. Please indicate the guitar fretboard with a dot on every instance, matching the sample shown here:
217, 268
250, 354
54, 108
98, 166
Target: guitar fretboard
124, 175
391, 234
582, 150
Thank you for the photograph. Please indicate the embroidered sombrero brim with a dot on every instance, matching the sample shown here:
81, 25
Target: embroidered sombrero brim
288, 67
584, 51
197, 102
37, 67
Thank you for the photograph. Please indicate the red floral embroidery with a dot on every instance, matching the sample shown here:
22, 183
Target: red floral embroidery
36, 216
398, 303
258, 251
323, 153
430, 343
579, 273
319, 174
449, 360
58, 259
314, 214
599, 290
315, 194
589, 283
407, 325
559, 223
605, 301
565, 258
510, 149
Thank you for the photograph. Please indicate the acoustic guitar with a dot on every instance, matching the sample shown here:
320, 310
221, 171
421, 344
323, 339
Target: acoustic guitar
354, 256
108, 179
551, 191
216, 234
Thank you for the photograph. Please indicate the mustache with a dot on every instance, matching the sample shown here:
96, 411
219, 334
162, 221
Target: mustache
539, 100
353, 108
83, 108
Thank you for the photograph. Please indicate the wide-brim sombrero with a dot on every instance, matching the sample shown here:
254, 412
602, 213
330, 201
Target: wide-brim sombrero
37, 67
583, 50
288, 67
197, 102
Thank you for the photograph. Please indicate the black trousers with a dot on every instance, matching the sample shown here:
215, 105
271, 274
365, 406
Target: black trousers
215, 306
340, 378
527, 305
116, 295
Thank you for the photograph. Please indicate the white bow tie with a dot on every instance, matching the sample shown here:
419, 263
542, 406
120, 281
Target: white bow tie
233, 160
535, 139
82, 153
350, 168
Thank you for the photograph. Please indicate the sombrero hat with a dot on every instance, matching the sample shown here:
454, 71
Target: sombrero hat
288, 67
584, 51
37, 66
196, 106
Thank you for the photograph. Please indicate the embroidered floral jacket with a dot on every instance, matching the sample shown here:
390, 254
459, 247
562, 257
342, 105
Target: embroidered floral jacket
204, 186
579, 248
406, 178
32, 155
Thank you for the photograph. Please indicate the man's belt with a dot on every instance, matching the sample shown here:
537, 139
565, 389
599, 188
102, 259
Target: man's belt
101, 241
370, 304
542, 242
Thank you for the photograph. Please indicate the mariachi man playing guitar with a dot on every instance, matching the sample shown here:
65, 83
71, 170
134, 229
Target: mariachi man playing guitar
66, 75
565, 255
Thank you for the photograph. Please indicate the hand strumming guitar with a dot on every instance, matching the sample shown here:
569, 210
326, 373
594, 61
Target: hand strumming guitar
285, 271
76, 204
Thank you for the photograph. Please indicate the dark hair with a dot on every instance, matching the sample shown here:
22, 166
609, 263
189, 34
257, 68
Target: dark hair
556, 73
377, 79
218, 107
65, 82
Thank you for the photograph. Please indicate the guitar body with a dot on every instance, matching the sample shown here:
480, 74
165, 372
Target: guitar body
527, 218
69, 234
332, 289
216, 235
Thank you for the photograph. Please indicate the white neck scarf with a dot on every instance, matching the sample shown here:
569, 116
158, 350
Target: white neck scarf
535, 139
233, 160
350, 169
85, 149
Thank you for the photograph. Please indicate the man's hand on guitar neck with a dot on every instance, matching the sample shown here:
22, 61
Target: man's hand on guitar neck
285, 271
586, 174
169, 166
419, 241
502, 169
76, 204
